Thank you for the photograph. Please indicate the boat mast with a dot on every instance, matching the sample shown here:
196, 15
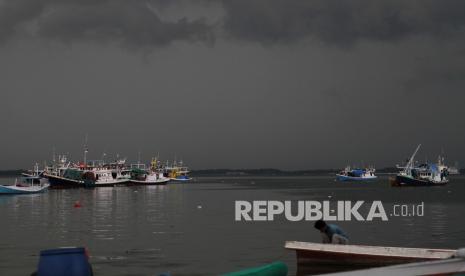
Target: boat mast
411, 160
85, 152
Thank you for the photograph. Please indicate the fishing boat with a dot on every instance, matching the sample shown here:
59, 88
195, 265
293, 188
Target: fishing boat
177, 172
27, 185
421, 175
101, 177
147, 176
447, 267
357, 174
313, 258
34, 172
65, 178
63, 174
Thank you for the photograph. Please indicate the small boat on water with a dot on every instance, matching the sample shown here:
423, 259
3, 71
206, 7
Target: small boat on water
421, 175
27, 185
356, 174
140, 175
314, 258
177, 172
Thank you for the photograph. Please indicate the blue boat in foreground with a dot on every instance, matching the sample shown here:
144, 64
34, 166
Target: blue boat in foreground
70, 261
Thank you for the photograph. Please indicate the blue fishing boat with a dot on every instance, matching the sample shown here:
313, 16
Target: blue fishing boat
356, 174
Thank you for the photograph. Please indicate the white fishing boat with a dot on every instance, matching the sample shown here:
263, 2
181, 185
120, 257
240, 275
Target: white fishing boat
101, 177
27, 185
148, 176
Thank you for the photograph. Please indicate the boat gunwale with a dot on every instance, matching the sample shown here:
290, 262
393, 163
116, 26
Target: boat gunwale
46, 175
427, 253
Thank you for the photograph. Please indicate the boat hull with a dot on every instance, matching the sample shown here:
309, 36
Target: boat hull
326, 258
273, 269
57, 182
341, 177
153, 182
401, 180
116, 182
14, 190
180, 179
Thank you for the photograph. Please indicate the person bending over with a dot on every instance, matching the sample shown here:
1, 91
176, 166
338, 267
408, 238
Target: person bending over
331, 233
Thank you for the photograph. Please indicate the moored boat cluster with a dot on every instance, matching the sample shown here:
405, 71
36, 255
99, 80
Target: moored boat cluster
64, 173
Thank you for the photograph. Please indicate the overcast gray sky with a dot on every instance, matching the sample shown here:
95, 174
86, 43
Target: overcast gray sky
234, 84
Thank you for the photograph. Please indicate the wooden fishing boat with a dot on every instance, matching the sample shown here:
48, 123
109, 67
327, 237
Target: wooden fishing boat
448, 267
315, 258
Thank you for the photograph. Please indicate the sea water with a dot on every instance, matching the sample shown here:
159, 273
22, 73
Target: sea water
190, 228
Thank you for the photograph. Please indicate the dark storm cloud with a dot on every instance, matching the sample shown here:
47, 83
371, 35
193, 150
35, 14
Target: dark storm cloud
131, 23
341, 22
289, 84
13, 13
139, 24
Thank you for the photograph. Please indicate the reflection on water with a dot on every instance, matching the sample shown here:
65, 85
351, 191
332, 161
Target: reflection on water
439, 221
189, 229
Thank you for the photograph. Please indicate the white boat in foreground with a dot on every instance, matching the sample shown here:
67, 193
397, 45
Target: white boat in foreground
313, 258
452, 266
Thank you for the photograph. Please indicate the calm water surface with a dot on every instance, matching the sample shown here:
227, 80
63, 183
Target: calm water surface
189, 229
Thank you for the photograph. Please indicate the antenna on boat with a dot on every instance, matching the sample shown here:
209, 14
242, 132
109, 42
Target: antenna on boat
53, 154
104, 155
85, 151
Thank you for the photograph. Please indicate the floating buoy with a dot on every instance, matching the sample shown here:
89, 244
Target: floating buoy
77, 204
199, 207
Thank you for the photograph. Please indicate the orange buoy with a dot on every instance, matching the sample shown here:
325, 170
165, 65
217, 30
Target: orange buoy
77, 204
